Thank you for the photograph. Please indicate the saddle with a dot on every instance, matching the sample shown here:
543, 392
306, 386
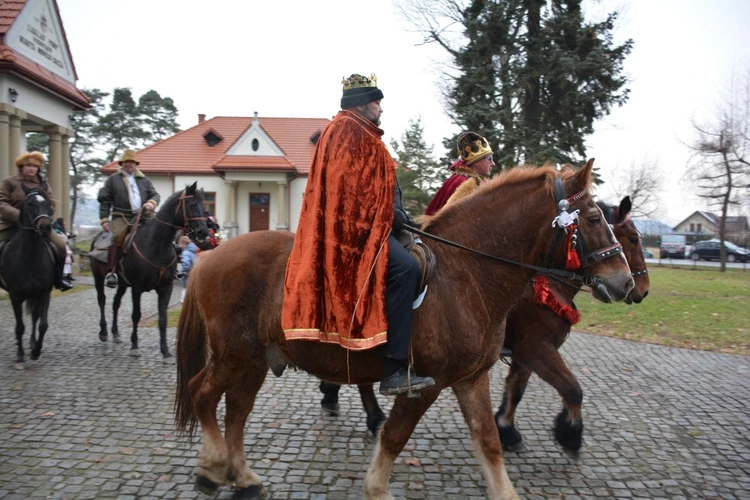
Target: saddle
422, 254
99, 246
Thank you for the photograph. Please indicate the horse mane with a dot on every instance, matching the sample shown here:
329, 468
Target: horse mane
509, 177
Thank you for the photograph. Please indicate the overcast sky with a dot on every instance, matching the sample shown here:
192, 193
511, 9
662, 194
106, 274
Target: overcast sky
286, 59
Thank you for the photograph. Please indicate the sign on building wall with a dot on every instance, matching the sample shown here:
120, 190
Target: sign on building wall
37, 34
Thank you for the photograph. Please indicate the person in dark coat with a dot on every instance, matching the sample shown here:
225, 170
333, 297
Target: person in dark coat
123, 195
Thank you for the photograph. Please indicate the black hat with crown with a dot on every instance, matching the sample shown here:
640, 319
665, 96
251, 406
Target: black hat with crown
359, 89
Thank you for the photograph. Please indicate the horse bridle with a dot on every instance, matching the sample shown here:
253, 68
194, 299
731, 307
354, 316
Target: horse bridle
185, 219
559, 274
623, 223
586, 256
34, 221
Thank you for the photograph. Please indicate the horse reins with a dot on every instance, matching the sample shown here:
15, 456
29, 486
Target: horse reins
559, 274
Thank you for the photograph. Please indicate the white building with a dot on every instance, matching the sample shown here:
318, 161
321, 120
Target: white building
37, 90
253, 170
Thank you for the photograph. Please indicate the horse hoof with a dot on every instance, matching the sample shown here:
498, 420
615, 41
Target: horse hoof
330, 408
34, 356
103, 338
20, 365
253, 492
169, 360
135, 353
116, 339
519, 447
205, 485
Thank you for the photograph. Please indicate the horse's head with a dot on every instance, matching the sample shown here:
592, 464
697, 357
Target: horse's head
589, 246
630, 239
191, 216
36, 211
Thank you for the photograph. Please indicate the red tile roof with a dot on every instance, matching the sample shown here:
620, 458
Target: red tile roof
26, 68
187, 152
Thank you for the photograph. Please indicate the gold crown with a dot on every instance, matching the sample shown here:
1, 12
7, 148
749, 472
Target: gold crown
358, 81
469, 156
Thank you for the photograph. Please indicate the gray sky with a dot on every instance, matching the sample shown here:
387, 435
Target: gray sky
287, 58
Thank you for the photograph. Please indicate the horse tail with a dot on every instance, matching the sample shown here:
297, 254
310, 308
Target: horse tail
191, 359
32, 304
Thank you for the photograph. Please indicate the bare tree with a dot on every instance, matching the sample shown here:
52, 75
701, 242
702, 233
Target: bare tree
643, 182
719, 167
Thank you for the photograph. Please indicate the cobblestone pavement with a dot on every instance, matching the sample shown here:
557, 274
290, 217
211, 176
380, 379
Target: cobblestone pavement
87, 421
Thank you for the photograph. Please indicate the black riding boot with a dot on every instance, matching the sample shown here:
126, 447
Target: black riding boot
111, 279
60, 282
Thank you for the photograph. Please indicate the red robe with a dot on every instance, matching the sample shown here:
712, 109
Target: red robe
461, 174
336, 276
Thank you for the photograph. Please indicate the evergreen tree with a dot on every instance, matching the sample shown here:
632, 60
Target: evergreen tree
532, 76
122, 127
158, 115
418, 173
37, 141
85, 158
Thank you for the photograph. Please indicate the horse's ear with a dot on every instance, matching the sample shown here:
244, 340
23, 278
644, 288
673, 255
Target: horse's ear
581, 179
191, 188
26, 190
624, 210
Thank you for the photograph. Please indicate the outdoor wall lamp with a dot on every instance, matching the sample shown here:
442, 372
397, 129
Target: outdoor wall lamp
13, 94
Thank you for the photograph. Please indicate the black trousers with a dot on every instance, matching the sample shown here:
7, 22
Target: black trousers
403, 280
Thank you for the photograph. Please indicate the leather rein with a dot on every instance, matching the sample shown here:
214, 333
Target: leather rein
586, 255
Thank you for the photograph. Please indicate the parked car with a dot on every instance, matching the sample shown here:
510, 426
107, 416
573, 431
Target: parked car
672, 246
711, 250
648, 254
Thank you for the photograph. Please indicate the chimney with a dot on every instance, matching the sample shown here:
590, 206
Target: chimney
201, 118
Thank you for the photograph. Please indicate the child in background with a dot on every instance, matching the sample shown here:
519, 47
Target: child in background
188, 257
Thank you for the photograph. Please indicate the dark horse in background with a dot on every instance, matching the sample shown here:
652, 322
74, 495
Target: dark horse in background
27, 267
149, 262
534, 333
229, 332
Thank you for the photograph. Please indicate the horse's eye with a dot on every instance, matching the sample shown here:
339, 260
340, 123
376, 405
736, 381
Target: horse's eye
594, 220
634, 241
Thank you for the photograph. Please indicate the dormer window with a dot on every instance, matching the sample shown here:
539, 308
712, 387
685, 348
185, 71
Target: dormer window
212, 138
255, 144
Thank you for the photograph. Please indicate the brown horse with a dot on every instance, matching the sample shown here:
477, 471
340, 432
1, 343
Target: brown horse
233, 310
534, 333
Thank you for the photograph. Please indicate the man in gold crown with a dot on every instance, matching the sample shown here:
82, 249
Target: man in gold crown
349, 281
474, 165
124, 193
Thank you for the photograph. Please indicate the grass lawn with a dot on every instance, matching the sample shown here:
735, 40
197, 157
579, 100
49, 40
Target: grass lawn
695, 308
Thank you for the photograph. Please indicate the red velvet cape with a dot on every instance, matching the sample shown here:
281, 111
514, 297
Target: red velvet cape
444, 193
334, 290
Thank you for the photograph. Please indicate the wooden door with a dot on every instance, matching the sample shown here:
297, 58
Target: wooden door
259, 211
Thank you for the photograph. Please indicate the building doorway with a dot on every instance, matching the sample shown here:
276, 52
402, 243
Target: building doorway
259, 211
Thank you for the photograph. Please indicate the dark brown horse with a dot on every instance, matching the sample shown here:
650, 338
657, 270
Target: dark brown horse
27, 269
534, 333
150, 263
233, 310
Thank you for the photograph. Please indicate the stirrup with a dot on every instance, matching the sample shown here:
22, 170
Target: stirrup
110, 280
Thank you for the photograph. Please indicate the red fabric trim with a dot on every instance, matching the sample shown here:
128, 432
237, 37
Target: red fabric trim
544, 296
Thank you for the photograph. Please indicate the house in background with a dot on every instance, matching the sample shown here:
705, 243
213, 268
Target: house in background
650, 227
38, 91
253, 170
705, 225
